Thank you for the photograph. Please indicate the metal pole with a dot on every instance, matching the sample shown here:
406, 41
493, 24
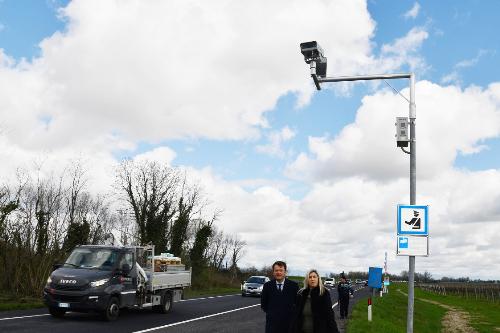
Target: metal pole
413, 158
365, 77
413, 194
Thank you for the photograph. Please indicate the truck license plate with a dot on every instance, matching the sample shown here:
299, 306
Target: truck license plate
64, 305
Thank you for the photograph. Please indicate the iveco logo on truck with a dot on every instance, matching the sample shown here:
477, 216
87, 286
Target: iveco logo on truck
67, 281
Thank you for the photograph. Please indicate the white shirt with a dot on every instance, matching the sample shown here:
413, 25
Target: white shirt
280, 283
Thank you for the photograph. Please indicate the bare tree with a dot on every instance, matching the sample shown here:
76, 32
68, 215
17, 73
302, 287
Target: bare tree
237, 251
218, 248
151, 191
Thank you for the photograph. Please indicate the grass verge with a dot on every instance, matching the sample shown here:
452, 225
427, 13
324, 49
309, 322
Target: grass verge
11, 302
190, 293
389, 314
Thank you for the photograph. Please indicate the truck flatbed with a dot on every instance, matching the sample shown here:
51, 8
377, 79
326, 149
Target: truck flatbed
168, 280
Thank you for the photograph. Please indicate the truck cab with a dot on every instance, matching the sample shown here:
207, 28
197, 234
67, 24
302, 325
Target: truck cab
105, 279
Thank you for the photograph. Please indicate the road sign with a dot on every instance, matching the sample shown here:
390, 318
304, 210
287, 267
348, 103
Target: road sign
413, 220
409, 245
375, 277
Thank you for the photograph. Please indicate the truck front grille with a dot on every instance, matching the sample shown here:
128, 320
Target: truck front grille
69, 287
67, 298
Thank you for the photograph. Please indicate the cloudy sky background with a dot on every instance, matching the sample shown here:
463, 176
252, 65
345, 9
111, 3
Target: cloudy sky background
220, 88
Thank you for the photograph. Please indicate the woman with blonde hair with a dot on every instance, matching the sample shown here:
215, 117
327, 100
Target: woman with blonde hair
313, 307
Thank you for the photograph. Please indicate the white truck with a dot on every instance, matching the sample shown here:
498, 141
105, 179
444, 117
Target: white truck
105, 279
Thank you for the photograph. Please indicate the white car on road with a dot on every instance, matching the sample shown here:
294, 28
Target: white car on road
329, 282
253, 286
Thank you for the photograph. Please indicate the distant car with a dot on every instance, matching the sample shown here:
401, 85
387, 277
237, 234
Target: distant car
359, 281
329, 282
253, 286
365, 283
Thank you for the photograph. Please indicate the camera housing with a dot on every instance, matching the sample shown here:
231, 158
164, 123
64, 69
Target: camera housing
313, 52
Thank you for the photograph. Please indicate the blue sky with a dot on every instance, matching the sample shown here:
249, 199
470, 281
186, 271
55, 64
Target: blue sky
243, 115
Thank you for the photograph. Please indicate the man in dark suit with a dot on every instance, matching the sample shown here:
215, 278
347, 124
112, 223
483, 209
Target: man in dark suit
278, 300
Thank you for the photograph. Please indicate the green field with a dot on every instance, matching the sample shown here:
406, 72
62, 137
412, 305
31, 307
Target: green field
389, 312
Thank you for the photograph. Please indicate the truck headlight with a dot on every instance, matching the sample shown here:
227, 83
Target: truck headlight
49, 280
98, 283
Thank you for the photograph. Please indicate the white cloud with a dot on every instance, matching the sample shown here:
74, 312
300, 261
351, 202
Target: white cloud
354, 220
276, 140
162, 155
449, 121
403, 51
413, 12
180, 69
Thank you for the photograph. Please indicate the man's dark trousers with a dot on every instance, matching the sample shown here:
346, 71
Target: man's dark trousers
344, 306
278, 305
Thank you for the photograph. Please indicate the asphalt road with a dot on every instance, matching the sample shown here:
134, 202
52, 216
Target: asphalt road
229, 313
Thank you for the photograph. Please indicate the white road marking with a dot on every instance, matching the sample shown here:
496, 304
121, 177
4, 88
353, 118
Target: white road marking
195, 319
10, 318
209, 297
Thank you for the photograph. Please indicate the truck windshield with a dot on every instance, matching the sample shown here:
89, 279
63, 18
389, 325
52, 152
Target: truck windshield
103, 259
255, 279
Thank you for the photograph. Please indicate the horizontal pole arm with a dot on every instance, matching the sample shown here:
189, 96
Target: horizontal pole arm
365, 77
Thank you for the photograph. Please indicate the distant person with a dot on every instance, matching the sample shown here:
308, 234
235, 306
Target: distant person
345, 292
278, 299
313, 307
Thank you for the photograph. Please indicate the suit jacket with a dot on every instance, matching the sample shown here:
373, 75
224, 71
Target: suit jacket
278, 305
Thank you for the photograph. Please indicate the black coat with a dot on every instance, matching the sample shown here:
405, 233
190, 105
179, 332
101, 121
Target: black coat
321, 307
278, 305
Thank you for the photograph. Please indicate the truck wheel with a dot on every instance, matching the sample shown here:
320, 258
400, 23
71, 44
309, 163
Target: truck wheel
56, 312
112, 310
166, 303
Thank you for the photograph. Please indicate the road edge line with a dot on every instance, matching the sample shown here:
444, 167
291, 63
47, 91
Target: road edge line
20, 317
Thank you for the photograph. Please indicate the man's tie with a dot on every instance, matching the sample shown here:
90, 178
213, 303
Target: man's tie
279, 286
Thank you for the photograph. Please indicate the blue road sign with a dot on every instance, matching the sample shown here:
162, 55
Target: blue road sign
375, 277
413, 220
403, 242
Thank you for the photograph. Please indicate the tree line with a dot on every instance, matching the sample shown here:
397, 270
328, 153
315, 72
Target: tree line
44, 216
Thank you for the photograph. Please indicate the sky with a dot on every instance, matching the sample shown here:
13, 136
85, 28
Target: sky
221, 90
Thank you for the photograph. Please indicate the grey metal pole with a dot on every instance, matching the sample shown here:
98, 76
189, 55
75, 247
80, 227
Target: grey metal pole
413, 158
413, 194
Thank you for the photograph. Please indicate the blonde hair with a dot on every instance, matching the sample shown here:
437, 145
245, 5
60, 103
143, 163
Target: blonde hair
320, 282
